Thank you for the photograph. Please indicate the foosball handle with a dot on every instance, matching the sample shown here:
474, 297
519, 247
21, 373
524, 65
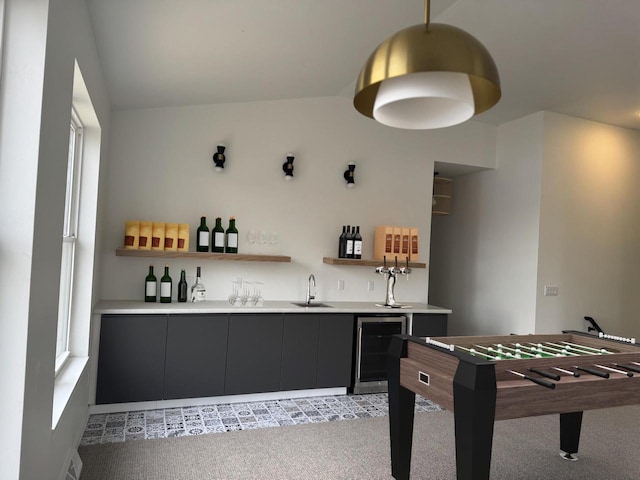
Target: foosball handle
544, 373
592, 371
540, 381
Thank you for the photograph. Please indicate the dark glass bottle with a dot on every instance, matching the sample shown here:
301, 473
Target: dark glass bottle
150, 286
182, 287
232, 237
357, 244
166, 285
202, 236
217, 244
342, 243
349, 242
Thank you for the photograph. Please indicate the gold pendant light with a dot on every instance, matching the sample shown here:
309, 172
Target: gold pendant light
427, 76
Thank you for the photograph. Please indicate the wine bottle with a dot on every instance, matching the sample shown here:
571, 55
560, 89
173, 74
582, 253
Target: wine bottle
165, 286
357, 244
217, 245
202, 236
232, 237
342, 243
182, 287
150, 286
349, 242
197, 290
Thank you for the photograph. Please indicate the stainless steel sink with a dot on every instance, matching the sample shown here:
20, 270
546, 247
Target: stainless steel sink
311, 304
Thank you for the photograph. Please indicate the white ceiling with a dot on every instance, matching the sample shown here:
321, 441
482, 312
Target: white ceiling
576, 57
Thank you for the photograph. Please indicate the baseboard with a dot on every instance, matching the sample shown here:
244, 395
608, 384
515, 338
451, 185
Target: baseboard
190, 402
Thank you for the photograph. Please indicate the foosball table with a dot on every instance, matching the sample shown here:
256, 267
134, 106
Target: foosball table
486, 378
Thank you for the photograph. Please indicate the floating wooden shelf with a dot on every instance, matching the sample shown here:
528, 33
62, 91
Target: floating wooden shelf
368, 263
234, 257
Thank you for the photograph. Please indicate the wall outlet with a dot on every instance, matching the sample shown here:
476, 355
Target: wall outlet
550, 290
370, 285
340, 284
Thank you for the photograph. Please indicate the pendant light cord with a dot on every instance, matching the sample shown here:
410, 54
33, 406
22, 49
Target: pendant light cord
426, 11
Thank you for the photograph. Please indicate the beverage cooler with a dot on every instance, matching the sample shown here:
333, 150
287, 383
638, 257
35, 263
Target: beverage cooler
373, 336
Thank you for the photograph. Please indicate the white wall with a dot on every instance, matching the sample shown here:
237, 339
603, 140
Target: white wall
161, 170
484, 256
561, 208
41, 42
590, 226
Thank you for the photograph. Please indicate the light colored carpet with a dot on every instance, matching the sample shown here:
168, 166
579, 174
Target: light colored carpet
523, 449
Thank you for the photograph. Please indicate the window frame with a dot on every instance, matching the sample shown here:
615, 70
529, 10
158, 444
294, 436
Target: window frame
69, 241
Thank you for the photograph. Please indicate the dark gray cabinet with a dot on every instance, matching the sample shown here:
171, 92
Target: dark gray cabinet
299, 351
131, 358
254, 351
429, 325
196, 355
335, 351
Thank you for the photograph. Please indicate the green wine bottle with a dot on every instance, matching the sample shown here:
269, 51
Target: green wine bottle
202, 236
150, 286
217, 245
165, 286
232, 236
182, 287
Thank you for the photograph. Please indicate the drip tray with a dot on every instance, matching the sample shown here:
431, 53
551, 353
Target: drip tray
392, 306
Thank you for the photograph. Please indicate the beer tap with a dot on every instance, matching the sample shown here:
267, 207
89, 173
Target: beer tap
391, 273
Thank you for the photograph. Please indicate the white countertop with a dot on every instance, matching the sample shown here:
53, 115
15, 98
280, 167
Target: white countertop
135, 306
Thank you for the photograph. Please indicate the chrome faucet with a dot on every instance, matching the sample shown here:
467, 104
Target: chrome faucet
309, 296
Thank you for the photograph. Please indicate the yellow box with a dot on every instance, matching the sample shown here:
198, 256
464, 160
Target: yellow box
157, 236
146, 231
414, 253
183, 237
171, 237
131, 234
383, 242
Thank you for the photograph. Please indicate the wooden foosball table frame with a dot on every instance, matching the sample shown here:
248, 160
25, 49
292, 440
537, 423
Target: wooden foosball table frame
479, 390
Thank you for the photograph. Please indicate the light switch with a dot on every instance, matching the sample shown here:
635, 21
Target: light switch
550, 290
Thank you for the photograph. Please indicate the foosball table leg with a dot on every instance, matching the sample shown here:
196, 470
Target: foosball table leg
474, 399
570, 425
401, 412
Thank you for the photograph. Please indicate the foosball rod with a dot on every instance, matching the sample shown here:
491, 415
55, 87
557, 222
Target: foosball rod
472, 351
568, 372
500, 347
552, 351
539, 381
592, 371
628, 367
517, 351
622, 372
585, 348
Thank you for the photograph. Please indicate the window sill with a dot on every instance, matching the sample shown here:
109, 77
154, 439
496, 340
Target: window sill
65, 384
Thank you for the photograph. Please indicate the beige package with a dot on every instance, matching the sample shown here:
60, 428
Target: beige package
157, 236
383, 242
414, 255
171, 237
183, 237
404, 249
397, 241
146, 230
131, 234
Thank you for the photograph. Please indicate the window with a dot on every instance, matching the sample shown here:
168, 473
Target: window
69, 241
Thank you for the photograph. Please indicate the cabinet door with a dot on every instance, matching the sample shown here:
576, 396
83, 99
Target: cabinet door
429, 325
131, 358
254, 353
196, 355
299, 351
335, 351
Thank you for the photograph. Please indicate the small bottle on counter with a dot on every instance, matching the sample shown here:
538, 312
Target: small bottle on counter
198, 292
232, 237
150, 286
182, 287
357, 244
166, 286
217, 244
349, 242
202, 236
342, 242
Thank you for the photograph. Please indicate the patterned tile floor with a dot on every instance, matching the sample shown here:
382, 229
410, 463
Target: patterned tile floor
199, 420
